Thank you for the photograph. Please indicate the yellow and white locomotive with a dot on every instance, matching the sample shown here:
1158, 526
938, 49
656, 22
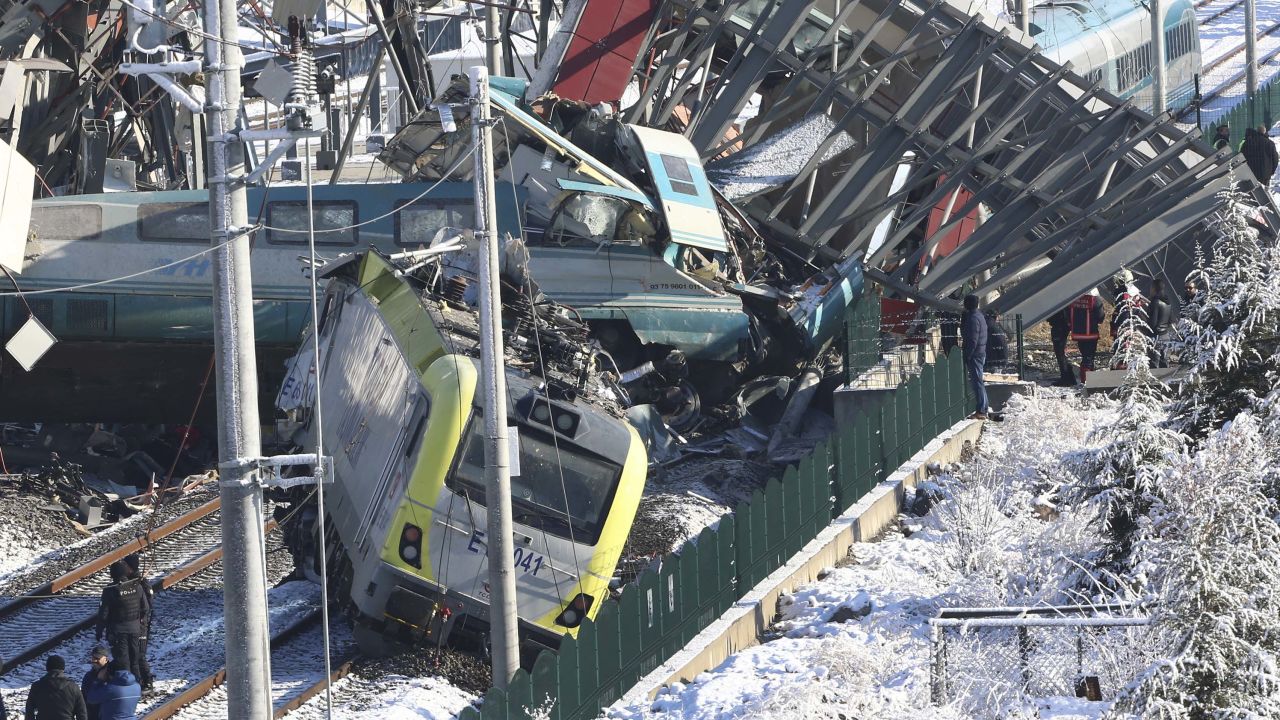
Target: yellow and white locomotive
403, 421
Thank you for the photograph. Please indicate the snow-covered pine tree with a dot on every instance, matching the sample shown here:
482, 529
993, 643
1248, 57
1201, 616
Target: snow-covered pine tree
1228, 335
1121, 475
1211, 552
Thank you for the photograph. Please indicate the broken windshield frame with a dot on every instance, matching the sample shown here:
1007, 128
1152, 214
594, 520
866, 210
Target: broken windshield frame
586, 219
537, 496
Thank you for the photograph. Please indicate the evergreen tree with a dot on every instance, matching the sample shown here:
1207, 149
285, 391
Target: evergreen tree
1228, 334
1121, 475
1212, 551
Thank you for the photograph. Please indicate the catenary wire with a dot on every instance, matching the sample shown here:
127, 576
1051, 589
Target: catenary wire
122, 278
319, 423
387, 214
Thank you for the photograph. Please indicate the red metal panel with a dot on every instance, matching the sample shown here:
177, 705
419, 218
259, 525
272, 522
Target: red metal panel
597, 63
957, 233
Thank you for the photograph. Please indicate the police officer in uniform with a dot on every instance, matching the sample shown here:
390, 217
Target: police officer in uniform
133, 564
123, 616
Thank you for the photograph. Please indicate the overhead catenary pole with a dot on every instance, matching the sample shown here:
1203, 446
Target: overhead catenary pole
497, 467
492, 58
1251, 58
244, 587
1157, 59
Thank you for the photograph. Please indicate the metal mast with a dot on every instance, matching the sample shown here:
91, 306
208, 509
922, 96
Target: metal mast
1251, 58
503, 625
493, 60
1157, 60
244, 595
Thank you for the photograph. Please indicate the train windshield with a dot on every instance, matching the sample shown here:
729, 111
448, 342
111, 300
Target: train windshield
565, 491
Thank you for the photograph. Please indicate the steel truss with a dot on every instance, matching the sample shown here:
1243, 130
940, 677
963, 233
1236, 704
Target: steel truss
1079, 182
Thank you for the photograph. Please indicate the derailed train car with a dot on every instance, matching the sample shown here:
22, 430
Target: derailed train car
403, 422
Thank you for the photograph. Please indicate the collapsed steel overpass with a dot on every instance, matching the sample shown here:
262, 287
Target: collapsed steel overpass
1078, 182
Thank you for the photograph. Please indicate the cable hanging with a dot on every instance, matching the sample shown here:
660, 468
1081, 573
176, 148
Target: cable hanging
319, 425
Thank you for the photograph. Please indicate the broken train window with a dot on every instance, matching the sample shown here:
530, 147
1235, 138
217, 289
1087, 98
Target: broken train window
418, 223
586, 219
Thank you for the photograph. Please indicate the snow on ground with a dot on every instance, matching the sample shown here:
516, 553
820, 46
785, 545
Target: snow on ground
856, 644
390, 698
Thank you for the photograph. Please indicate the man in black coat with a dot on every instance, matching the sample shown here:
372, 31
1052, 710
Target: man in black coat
973, 332
55, 696
1260, 153
1222, 137
123, 615
1160, 317
1059, 334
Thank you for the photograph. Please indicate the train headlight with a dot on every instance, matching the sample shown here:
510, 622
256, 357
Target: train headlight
576, 611
411, 545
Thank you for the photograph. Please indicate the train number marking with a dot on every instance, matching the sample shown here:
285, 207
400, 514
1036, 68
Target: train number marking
528, 561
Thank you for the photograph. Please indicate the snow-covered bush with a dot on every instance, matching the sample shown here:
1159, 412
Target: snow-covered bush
1119, 478
1211, 555
1228, 333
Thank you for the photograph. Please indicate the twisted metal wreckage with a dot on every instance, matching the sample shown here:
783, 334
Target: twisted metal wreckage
921, 145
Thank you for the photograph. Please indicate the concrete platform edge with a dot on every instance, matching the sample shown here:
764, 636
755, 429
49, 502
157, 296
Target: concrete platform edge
743, 624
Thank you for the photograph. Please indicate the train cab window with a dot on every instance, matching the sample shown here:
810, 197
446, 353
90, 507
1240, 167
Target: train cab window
678, 172
334, 222
549, 476
173, 221
66, 222
418, 223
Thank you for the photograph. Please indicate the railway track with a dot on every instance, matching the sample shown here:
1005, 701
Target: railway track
1235, 78
1217, 13
293, 649
44, 617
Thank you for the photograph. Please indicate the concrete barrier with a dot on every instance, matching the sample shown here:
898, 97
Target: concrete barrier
743, 624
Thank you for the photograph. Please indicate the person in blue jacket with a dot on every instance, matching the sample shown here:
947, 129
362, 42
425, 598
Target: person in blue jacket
115, 692
973, 333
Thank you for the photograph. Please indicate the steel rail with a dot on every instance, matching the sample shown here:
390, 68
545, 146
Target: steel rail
170, 579
174, 704
138, 544
1219, 13
1236, 50
1235, 77
297, 701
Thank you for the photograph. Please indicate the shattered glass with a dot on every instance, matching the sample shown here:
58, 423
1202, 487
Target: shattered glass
587, 218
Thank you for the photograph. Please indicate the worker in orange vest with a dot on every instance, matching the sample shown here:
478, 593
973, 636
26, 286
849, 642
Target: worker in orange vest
1086, 318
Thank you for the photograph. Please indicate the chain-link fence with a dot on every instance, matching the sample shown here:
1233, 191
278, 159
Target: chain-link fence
987, 662
887, 345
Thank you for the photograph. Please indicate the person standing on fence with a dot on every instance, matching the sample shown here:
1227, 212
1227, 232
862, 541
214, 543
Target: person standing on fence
973, 333
1160, 317
1260, 153
1086, 318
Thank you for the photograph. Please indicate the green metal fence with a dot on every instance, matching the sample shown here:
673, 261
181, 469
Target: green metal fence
1263, 111
663, 609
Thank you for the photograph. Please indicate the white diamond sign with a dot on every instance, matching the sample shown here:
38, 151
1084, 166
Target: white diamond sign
30, 343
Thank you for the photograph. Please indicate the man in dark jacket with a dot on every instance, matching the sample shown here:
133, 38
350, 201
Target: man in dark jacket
1059, 333
98, 660
55, 696
123, 614
1086, 315
133, 565
1260, 153
116, 693
1161, 319
1222, 137
973, 332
